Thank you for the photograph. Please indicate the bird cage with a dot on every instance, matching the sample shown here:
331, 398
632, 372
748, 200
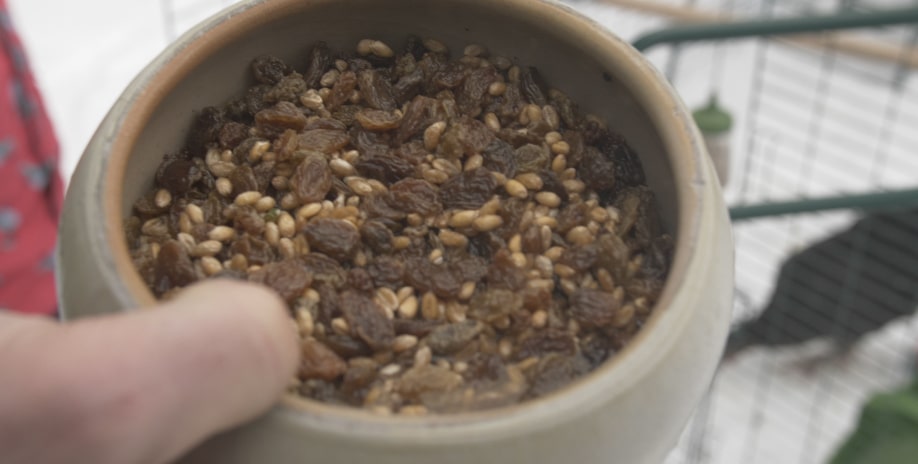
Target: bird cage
822, 184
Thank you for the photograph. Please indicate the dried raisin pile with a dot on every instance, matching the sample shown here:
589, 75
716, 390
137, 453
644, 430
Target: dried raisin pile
449, 234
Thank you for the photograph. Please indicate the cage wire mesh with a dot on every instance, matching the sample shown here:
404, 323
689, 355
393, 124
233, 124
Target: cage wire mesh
810, 121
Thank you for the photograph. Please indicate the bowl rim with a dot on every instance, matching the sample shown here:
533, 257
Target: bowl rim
683, 147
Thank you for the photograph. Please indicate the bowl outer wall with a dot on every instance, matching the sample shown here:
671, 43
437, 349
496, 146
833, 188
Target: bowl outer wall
92, 277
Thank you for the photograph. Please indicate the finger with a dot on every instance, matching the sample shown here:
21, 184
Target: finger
146, 386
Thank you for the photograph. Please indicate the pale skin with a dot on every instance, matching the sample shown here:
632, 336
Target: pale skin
146, 386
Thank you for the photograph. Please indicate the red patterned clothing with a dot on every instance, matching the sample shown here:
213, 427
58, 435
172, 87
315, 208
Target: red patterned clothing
31, 190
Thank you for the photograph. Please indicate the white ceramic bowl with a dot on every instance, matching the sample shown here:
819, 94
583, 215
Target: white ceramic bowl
631, 410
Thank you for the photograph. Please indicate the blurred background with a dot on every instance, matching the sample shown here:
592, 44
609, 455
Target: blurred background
824, 297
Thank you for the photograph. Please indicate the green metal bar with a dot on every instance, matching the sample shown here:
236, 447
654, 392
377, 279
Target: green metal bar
770, 27
868, 201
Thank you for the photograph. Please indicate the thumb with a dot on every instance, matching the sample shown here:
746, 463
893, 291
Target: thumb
148, 385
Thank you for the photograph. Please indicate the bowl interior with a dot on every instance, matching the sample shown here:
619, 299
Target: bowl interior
566, 63
603, 75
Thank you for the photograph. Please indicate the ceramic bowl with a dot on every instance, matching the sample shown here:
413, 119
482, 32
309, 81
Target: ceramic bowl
630, 410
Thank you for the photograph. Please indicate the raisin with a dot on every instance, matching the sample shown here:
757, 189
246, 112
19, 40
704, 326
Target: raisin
232, 134
269, 69
594, 307
512, 105
581, 257
255, 99
146, 206
329, 306
263, 173
376, 236
656, 260
243, 179
256, 250
319, 60
323, 269
574, 140
532, 240
361, 373
566, 108
546, 341
416, 327
173, 267
551, 183
248, 220
499, 156
282, 116
473, 89
450, 338
573, 215
323, 140
384, 168
533, 86
325, 123
504, 274
470, 268
204, 130
425, 379
556, 371
449, 76
336, 238
379, 207
312, 179
646, 288
628, 169
242, 150
468, 190
387, 271
408, 86
416, 196
464, 137
493, 304
347, 114
485, 245
532, 158
595, 348
415, 47
485, 367
421, 113
288, 89
376, 90
613, 255
511, 211
426, 276
412, 152
367, 320
288, 278
378, 120
596, 170
178, 175
341, 91
518, 138
359, 279
319, 362
535, 298
368, 143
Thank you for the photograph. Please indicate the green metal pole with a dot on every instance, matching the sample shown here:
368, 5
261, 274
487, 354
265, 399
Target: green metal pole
869, 201
770, 27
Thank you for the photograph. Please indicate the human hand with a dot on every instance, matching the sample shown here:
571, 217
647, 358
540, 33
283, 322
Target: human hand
146, 386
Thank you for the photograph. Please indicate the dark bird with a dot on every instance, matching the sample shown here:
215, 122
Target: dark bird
841, 288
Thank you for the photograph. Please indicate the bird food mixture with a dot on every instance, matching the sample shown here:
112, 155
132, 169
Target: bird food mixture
450, 234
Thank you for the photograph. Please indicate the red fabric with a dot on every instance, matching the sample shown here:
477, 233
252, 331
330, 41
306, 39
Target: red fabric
31, 191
